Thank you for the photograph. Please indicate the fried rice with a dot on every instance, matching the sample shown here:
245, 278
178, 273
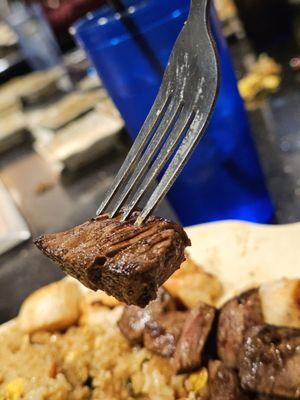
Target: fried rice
90, 359
85, 362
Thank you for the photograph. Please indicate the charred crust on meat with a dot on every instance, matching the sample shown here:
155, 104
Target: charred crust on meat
128, 262
133, 319
194, 337
269, 361
236, 316
224, 383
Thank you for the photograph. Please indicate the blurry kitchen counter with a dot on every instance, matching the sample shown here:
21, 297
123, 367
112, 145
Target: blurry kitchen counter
48, 204
276, 130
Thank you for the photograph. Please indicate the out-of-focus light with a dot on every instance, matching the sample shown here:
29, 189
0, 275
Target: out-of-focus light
4, 64
295, 63
115, 41
131, 9
176, 13
102, 21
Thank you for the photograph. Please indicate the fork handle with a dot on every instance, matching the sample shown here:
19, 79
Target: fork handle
199, 7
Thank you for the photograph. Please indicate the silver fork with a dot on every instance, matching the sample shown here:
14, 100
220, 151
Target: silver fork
176, 122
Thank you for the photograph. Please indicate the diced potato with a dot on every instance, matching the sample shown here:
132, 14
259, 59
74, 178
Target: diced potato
53, 307
281, 302
96, 307
99, 298
191, 285
187, 267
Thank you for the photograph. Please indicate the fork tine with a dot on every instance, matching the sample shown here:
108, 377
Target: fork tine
176, 165
182, 125
163, 130
146, 132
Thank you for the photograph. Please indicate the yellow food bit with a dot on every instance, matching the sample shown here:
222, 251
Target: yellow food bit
14, 389
71, 357
264, 77
198, 380
271, 82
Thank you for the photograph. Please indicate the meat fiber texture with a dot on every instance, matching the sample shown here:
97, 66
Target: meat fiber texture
126, 261
269, 361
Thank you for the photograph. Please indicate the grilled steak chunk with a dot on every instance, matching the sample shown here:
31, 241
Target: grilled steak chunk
193, 338
269, 361
238, 315
133, 320
128, 262
224, 383
162, 333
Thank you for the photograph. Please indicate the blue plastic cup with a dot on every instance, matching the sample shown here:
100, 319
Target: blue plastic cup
223, 179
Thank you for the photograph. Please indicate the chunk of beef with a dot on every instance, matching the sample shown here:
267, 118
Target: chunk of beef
224, 383
269, 361
162, 333
133, 320
126, 261
193, 338
238, 315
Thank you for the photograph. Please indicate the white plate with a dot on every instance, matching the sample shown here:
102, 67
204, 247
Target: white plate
242, 255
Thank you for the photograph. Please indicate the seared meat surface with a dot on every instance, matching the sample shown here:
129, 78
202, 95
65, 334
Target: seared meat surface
128, 262
224, 383
134, 319
269, 361
180, 335
162, 333
193, 338
237, 315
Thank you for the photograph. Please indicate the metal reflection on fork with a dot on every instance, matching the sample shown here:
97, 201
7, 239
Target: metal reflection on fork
176, 122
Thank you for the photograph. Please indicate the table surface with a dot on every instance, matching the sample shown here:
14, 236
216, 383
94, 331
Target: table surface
75, 198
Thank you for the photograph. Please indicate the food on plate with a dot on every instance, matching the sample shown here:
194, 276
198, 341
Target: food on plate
191, 284
269, 361
92, 360
51, 308
70, 342
161, 334
133, 320
224, 383
236, 316
96, 306
285, 293
126, 261
170, 332
192, 341
197, 384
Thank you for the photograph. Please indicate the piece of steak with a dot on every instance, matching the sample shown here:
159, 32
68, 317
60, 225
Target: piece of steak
161, 334
269, 361
133, 320
236, 316
126, 261
224, 383
195, 332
